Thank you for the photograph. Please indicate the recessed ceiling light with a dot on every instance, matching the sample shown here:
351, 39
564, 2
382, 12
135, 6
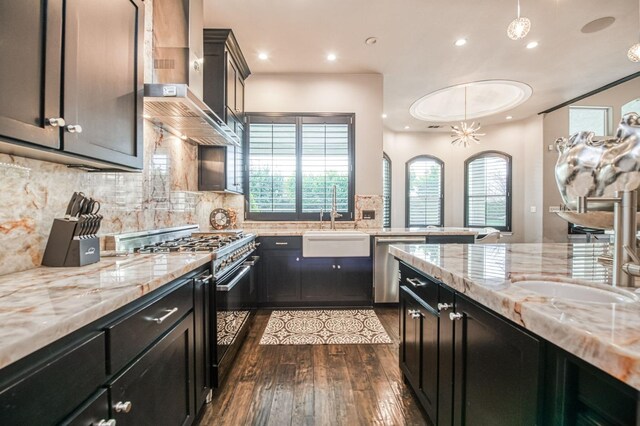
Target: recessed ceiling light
263, 56
461, 42
331, 57
508, 117
532, 45
371, 41
384, 115
407, 127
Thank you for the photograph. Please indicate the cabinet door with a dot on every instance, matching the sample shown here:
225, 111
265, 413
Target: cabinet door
230, 168
282, 275
31, 34
497, 368
159, 385
94, 410
355, 279
240, 159
231, 84
103, 80
202, 349
239, 95
429, 362
318, 279
446, 349
410, 339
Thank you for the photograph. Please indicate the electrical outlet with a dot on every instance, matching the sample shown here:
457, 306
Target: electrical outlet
368, 214
533, 209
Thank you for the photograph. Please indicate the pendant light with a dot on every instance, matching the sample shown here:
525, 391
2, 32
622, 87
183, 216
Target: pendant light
634, 51
464, 134
519, 27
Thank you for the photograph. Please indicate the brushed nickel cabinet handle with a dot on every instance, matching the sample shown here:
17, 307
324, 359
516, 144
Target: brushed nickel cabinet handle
167, 315
282, 243
56, 122
416, 282
122, 407
444, 306
110, 422
454, 316
74, 128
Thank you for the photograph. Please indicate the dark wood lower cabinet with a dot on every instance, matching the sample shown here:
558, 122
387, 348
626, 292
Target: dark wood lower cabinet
92, 412
281, 275
469, 366
497, 370
159, 385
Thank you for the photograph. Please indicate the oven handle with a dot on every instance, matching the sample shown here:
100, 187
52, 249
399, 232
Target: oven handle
227, 287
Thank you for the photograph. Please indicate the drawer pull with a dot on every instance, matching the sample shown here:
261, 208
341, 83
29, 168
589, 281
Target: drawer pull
282, 243
110, 422
122, 407
167, 315
444, 306
454, 316
206, 279
56, 122
416, 282
415, 315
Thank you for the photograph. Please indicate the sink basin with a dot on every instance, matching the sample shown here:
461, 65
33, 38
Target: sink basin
577, 292
335, 244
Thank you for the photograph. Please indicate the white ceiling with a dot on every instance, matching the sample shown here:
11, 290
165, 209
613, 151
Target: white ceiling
415, 50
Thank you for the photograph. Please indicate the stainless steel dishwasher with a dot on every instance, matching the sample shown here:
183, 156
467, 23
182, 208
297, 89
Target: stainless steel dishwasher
385, 267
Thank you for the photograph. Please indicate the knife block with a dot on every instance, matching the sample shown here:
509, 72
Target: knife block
63, 249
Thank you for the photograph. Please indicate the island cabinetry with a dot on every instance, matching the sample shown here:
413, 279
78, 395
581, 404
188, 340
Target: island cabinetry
291, 280
464, 363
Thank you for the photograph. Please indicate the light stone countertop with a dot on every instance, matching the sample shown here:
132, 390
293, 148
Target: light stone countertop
604, 335
42, 305
296, 231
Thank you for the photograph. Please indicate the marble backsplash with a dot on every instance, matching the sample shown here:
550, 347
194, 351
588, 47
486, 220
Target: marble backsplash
164, 194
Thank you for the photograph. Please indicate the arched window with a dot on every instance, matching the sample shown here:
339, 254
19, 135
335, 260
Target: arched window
487, 202
425, 191
386, 191
632, 106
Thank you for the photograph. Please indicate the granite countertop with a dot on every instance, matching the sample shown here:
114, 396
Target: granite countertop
41, 305
293, 231
605, 335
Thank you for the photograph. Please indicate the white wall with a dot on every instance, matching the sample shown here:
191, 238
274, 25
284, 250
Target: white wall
520, 139
347, 93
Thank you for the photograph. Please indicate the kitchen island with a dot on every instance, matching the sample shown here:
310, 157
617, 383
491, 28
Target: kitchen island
547, 345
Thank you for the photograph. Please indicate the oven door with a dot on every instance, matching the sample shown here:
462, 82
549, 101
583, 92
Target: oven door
233, 309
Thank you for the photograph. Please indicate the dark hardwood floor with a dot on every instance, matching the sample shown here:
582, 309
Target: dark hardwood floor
315, 384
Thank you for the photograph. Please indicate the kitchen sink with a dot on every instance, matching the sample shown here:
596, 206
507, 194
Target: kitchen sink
339, 243
577, 292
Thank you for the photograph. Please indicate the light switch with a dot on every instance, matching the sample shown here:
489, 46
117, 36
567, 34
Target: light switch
533, 209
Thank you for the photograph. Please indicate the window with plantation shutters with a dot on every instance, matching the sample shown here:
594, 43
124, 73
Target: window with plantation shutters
488, 191
294, 163
386, 191
425, 199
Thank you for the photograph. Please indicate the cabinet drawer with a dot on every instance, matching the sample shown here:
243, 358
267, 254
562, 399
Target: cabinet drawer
91, 412
424, 287
54, 390
289, 243
136, 331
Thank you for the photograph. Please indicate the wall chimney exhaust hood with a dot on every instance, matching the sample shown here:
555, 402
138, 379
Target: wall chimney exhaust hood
173, 98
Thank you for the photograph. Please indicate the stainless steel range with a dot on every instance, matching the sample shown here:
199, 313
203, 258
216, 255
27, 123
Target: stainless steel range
235, 300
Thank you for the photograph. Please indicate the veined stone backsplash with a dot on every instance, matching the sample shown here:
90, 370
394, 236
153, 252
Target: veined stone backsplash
164, 194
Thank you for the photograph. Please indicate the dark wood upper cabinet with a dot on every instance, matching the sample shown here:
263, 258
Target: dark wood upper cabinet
31, 34
225, 71
103, 80
72, 81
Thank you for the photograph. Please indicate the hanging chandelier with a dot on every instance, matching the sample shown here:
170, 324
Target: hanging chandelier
464, 134
519, 27
634, 51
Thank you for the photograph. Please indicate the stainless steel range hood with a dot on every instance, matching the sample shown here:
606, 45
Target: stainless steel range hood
173, 97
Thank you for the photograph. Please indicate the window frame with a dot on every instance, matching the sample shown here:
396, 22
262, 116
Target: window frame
298, 119
509, 159
386, 158
608, 119
407, 219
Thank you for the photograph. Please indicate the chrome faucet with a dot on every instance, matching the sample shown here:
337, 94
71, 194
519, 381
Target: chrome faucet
626, 264
321, 217
334, 209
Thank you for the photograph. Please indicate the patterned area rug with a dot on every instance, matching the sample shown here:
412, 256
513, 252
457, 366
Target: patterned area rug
324, 327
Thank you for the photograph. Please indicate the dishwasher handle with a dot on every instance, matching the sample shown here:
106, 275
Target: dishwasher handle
391, 240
